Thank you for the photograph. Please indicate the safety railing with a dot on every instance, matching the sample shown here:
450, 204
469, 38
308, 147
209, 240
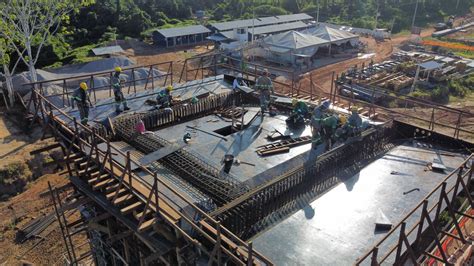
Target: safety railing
85, 139
140, 78
413, 242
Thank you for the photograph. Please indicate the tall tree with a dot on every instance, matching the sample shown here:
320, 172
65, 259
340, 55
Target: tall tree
28, 23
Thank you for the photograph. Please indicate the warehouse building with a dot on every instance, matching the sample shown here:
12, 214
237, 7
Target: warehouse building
172, 37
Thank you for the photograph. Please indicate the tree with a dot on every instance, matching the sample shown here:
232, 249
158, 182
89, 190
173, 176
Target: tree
30, 22
5, 62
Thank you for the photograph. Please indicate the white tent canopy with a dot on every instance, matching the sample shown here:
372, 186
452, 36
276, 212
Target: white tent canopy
294, 40
332, 35
288, 46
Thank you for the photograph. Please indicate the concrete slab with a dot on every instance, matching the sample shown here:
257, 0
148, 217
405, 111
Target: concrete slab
338, 227
240, 144
136, 101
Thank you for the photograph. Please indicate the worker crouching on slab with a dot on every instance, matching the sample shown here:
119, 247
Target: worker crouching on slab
238, 82
265, 87
298, 114
81, 97
117, 86
319, 113
353, 127
164, 98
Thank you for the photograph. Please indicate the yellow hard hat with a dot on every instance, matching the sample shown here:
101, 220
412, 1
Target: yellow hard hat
169, 88
118, 69
355, 109
294, 101
342, 119
83, 85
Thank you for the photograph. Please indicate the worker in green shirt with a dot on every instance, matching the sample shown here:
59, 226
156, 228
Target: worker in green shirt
83, 102
264, 85
117, 86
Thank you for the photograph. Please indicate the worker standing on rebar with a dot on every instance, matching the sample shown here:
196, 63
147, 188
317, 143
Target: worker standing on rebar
164, 97
319, 113
117, 86
81, 97
265, 86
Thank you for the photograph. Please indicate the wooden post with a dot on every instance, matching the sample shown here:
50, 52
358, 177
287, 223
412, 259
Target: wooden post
331, 97
375, 252
218, 243
311, 86
250, 256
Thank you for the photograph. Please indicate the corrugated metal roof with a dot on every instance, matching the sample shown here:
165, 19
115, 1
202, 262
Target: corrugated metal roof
107, 50
183, 31
278, 28
229, 25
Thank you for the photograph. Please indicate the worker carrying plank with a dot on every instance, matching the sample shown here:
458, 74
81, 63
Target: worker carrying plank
164, 97
81, 97
319, 113
117, 87
265, 87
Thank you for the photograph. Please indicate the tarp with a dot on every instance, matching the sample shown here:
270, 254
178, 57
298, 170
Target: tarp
294, 40
330, 34
430, 65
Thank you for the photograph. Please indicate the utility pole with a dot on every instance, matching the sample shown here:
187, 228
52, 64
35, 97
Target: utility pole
457, 5
376, 14
414, 15
317, 14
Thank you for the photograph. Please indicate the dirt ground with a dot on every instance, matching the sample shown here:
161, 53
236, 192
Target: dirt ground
146, 54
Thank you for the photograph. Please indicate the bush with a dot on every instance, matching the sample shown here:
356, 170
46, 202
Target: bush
456, 88
440, 94
12, 172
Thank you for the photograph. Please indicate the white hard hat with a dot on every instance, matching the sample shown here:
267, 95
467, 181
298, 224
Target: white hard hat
240, 75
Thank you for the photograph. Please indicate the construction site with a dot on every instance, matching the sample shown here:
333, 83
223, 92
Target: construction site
214, 179
278, 140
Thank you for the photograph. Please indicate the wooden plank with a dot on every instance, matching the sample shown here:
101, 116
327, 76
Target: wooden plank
47, 148
164, 206
227, 241
112, 194
98, 178
131, 207
160, 153
103, 184
123, 199
146, 225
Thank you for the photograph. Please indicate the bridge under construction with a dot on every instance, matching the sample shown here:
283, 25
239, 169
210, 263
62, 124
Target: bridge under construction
244, 188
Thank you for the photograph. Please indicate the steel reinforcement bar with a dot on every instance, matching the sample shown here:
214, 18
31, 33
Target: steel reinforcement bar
427, 233
221, 187
206, 228
244, 215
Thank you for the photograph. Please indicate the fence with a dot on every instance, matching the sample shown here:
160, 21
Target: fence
413, 242
81, 138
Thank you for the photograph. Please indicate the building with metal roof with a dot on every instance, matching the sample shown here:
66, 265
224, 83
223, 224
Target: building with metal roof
258, 22
180, 36
260, 32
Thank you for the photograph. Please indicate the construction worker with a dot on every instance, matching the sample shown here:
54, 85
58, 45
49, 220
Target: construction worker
299, 107
319, 113
265, 86
117, 86
81, 97
164, 98
238, 82
354, 122
328, 129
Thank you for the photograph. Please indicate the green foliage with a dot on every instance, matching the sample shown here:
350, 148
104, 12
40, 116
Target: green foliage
268, 10
11, 172
457, 88
440, 94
